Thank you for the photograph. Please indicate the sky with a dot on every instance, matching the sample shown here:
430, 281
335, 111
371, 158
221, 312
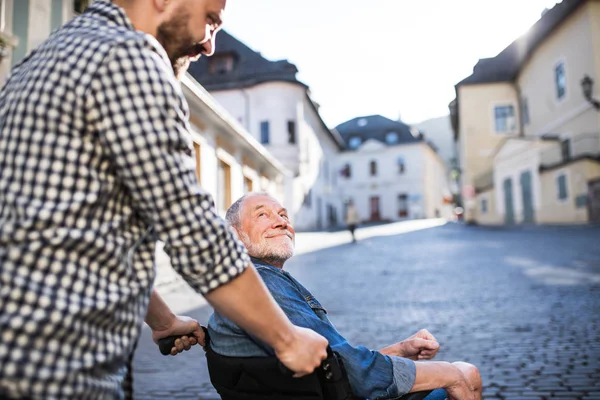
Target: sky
396, 58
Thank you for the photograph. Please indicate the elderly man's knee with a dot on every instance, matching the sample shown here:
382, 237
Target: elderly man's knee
470, 372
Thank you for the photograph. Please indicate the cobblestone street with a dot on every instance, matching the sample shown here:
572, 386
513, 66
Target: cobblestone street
521, 303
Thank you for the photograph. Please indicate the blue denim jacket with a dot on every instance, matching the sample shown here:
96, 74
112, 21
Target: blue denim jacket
372, 375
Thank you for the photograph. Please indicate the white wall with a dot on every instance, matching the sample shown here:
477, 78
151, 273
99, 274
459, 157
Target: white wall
308, 158
388, 183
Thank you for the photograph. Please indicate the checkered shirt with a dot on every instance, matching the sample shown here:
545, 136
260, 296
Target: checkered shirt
96, 164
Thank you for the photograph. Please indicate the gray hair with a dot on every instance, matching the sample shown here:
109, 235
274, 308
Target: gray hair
233, 214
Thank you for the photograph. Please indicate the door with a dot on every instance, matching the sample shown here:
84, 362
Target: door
527, 195
509, 210
594, 200
375, 215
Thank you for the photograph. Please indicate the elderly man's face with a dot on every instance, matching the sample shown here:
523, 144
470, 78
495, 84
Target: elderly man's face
189, 30
265, 229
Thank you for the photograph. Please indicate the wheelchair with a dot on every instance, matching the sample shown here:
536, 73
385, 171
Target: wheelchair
266, 378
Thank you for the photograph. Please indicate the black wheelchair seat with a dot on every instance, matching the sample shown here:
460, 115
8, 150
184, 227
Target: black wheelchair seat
265, 378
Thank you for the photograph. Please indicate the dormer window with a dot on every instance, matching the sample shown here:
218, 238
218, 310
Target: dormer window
220, 64
362, 122
354, 142
392, 138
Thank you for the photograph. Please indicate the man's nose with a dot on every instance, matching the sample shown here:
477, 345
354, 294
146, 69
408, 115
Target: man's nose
280, 222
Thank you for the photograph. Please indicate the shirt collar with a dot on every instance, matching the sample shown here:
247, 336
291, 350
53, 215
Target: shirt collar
258, 261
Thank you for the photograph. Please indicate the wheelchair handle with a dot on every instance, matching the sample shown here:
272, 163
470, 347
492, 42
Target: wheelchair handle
166, 344
324, 364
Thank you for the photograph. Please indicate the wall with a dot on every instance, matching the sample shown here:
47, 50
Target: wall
571, 114
559, 211
477, 138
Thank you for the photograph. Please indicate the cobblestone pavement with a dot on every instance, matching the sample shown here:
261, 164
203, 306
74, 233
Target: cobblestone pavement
522, 303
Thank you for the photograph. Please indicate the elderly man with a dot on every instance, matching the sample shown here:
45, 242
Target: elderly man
264, 227
95, 165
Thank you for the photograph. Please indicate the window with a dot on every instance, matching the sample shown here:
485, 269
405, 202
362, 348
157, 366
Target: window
198, 161
223, 185
560, 79
504, 118
401, 167
484, 206
391, 138
220, 64
565, 149
291, 129
561, 186
354, 142
402, 205
248, 184
2, 15
362, 122
525, 110
346, 171
79, 6
264, 132
373, 168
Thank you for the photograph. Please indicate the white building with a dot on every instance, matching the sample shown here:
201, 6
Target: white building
390, 172
266, 98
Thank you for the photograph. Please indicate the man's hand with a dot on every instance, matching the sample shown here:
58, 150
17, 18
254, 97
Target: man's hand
181, 326
304, 352
420, 346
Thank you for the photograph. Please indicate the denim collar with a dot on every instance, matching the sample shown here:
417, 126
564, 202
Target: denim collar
258, 261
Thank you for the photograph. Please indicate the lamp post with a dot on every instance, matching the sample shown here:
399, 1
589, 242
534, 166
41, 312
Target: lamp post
587, 85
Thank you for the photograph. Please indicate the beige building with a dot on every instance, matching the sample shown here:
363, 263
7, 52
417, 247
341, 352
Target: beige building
527, 124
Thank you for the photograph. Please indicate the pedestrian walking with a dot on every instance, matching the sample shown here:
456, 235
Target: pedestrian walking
352, 219
95, 166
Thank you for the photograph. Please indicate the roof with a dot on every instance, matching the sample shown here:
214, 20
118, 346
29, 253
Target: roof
250, 67
506, 66
376, 127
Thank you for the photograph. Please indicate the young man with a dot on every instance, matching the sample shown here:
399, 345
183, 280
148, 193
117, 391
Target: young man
96, 165
263, 225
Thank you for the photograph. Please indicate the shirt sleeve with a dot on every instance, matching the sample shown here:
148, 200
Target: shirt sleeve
372, 375
141, 118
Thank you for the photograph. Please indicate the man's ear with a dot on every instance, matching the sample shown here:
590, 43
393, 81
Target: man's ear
161, 5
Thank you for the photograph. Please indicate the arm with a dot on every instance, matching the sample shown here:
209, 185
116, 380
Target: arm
141, 118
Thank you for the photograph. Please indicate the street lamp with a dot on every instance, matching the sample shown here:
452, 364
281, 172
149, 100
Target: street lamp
587, 85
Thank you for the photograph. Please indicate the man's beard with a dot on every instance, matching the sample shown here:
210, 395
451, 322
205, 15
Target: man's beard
266, 251
178, 43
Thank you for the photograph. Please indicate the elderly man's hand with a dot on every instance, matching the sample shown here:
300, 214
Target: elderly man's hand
181, 326
420, 346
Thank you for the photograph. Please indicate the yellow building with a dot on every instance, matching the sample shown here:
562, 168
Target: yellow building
527, 124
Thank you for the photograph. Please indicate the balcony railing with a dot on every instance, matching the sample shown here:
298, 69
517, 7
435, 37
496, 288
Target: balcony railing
575, 148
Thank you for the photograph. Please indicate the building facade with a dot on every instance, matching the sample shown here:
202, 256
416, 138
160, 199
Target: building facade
527, 124
266, 98
390, 172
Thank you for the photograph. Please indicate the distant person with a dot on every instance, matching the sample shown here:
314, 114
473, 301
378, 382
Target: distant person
264, 227
352, 219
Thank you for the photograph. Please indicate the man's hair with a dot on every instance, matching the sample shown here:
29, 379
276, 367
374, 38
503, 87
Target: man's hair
233, 215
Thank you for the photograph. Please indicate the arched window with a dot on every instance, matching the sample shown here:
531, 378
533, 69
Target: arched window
373, 168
